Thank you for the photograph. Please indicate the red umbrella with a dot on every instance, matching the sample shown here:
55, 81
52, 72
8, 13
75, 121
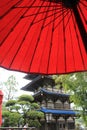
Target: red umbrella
43, 36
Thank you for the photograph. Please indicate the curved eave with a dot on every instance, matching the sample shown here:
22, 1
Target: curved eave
58, 112
37, 82
44, 94
54, 93
31, 76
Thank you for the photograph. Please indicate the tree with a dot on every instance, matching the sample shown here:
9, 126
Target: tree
24, 109
11, 118
27, 104
76, 85
34, 117
9, 87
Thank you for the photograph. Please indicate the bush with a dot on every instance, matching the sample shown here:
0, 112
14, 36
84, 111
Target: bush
35, 115
11, 119
25, 97
34, 123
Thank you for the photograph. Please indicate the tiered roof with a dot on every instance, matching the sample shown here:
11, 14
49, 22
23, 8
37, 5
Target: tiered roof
43, 93
59, 112
38, 81
42, 82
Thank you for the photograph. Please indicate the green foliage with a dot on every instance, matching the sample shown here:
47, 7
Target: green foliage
16, 108
9, 87
11, 119
26, 97
3, 107
35, 106
14, 119
35, 114
5, 113
34, 123
40, 115
21, 109
10, 103
76, 85
25, 106
23, 103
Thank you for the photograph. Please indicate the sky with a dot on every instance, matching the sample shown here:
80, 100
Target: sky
4, 74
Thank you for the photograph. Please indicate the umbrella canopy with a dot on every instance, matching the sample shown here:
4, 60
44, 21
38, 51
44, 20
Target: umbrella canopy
43, 36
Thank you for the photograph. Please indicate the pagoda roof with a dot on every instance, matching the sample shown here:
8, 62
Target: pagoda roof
45, 95
52, 94
59, 112
39, 81
31, 76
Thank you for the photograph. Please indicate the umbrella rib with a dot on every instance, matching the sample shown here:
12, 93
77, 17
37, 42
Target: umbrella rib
10, 21
82, 14
38, 40
35, 6
16, 38
14, 25
80, 27
10, 31
11, 47
46, 17
68, 19
22, 41
9, 9
39, 13
78, 40
72, 47
64, 40
51, 42
18, 13
84, 0
44, 44
4, 4
83, 4
61, 19
36, 14
43, 29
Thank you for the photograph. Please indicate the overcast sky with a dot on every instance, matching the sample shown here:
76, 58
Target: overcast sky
4, 74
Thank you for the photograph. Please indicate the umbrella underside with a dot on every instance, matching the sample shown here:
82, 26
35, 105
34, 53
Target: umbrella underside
43, 36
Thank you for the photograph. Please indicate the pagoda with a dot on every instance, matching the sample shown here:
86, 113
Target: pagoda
54, 103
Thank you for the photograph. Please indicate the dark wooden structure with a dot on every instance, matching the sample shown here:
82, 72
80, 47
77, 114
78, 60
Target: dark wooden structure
54, 104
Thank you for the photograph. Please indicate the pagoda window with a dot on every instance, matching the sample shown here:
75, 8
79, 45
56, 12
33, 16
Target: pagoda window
54, 89
49, 89
43, 104
50, 104
58, 104
48, 117
39, 88
66, 105
71, 123
61, 119
61, 122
